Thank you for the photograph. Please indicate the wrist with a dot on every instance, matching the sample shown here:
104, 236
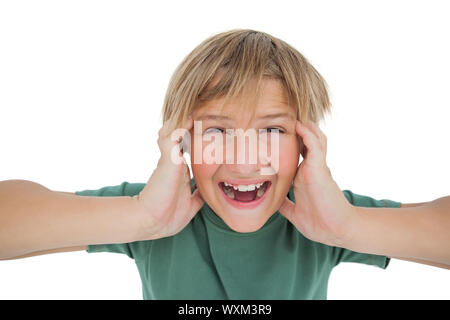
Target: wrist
147, 225
141, 219
347, 237
126, 218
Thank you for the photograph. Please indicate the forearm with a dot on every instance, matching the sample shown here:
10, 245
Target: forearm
421, 232
34, 218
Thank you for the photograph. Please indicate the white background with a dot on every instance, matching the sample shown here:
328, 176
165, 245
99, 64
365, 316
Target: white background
82, 85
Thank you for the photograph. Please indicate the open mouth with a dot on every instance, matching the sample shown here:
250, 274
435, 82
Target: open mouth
245, 194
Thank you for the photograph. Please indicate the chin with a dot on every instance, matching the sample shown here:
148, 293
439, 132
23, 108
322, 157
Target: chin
245, 226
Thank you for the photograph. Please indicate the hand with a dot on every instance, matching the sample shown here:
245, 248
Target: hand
320, 212
167, 202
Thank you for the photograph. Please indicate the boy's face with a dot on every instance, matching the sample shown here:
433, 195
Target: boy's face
249, 207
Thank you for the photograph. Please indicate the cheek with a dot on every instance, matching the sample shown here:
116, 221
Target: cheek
201, 170
289, 156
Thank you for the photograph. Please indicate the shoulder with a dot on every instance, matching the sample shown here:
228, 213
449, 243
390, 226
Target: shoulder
360, 200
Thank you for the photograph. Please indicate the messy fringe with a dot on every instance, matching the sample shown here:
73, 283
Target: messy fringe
232, 64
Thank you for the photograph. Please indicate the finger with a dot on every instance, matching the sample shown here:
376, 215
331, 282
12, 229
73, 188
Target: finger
170, 125
318, 132
189, 123
165, 129
185, 143
174, 145
287, 209
314, 150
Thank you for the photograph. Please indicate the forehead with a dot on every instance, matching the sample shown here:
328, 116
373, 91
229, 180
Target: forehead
272, 98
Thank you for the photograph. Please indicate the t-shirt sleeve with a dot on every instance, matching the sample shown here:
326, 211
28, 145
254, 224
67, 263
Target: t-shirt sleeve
134, 250
345, 255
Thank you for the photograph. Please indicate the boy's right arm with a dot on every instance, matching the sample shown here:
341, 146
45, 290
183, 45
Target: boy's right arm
38, 253
58, 250
34, 218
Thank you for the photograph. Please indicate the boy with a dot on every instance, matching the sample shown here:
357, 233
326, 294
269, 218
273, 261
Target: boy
231, 232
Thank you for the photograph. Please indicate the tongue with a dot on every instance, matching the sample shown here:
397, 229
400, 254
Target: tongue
244, 196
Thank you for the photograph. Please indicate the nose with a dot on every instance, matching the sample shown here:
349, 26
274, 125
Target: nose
243, 157
244, 171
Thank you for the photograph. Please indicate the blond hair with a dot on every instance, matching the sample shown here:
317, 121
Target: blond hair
239, 57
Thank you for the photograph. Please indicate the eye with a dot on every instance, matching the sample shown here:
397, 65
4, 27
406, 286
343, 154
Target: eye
213, 130
273, 130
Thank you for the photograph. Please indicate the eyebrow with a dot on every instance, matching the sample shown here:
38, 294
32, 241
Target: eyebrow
278, 115
267, 116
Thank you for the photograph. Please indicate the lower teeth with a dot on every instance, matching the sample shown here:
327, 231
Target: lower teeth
230, 193
260, 192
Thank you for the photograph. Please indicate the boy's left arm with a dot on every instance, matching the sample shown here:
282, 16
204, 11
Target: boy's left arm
418, 232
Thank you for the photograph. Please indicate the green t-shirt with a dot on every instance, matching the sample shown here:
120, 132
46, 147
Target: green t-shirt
208, 260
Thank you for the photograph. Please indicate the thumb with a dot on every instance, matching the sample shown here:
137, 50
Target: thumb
287, 209
196, 203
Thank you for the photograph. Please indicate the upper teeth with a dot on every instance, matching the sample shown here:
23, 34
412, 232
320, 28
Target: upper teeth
242, 187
